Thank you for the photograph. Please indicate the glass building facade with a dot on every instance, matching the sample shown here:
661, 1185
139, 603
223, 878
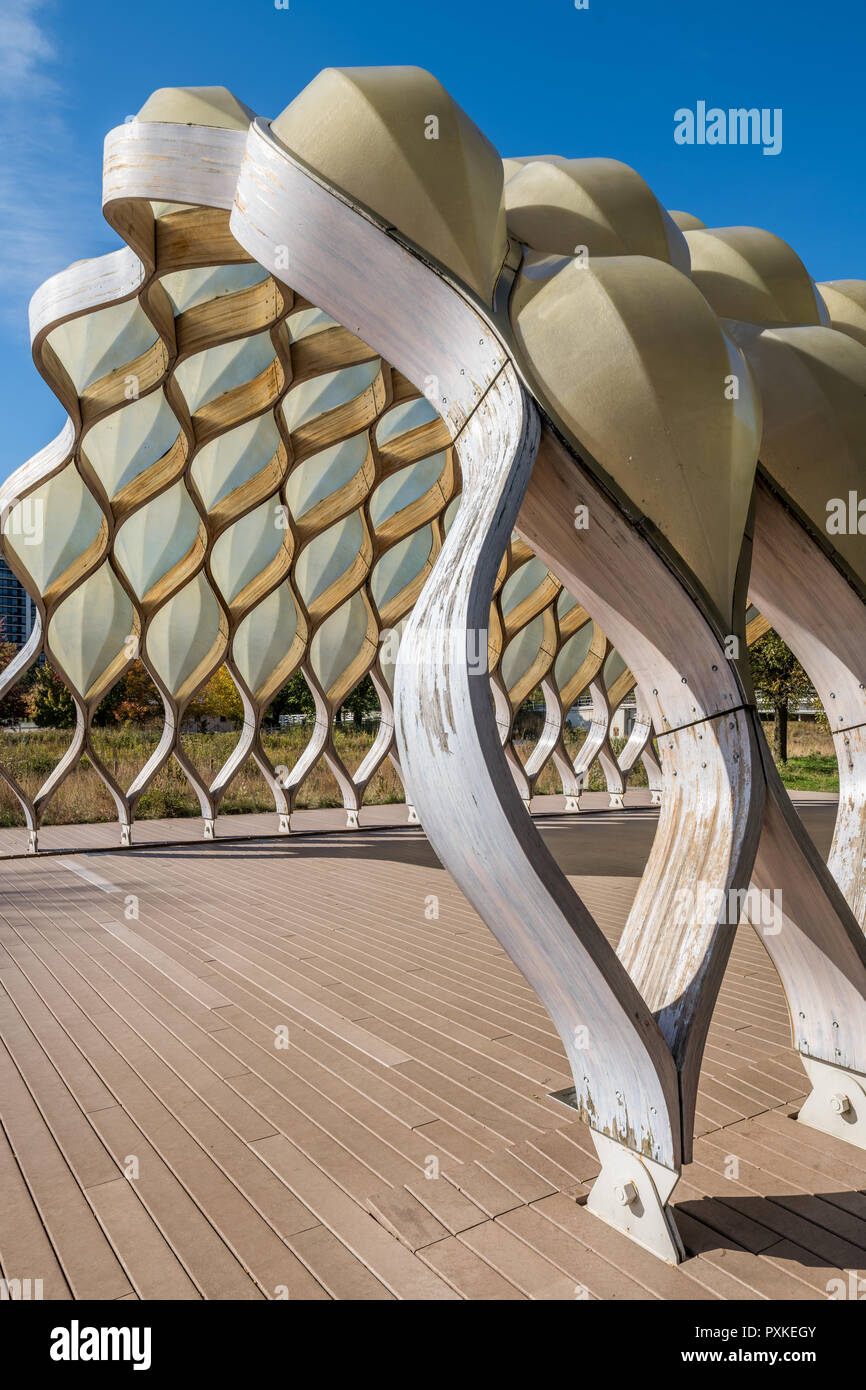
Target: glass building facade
16, 607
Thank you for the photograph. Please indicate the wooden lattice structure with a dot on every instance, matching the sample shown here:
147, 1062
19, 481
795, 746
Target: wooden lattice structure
528, 404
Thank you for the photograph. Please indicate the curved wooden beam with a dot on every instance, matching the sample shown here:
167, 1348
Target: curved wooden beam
640, 746
597, 743
679, 934
450, 751
815, 936
820, 617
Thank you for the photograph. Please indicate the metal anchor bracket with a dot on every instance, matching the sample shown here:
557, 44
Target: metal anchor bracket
837, 1102
631, 1194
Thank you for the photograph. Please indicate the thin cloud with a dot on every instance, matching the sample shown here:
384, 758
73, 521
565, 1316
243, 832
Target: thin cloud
46, 217
25, 49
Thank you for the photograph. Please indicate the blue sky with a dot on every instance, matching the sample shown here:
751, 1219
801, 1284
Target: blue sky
538, 78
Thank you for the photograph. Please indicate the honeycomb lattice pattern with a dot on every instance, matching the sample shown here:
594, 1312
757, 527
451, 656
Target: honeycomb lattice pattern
243, 482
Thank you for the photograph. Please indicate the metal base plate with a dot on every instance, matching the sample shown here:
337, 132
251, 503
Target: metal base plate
837, 1103
631, 1194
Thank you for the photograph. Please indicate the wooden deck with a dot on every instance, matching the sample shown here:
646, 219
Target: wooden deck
159, 1140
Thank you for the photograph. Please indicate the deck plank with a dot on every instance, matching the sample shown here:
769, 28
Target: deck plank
404, 1143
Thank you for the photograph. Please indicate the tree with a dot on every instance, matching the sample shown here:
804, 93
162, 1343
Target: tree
51, 705
779, 677
220, 699
133, 700
362, 703
292, 698
14, 705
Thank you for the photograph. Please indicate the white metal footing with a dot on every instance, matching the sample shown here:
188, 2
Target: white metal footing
209, 824
352, 820
837, 1103
32, 841
412, 818
615, 803
125, 836
572, 803
631, 1194
285, 825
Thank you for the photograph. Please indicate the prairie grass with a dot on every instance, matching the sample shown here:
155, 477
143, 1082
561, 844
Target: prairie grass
31, 756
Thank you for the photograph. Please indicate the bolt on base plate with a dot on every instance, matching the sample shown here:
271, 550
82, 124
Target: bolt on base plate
631, 1194
837, 1102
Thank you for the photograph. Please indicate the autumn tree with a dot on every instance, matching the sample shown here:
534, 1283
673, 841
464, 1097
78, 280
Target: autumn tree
133, 700
220, 699
779, 677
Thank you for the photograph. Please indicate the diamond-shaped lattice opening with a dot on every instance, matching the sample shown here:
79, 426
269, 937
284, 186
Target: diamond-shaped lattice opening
212, 724
31, 758
289, 729
170, 794
247, 791
127, 725
356, 725
385, 786
320, 789
82, 796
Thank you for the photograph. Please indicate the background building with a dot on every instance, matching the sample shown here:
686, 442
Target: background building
16, 607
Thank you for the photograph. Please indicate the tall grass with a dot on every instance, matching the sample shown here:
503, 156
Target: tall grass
31, 756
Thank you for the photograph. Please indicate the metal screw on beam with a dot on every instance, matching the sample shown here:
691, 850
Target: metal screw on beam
625, 1193
839, 1104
